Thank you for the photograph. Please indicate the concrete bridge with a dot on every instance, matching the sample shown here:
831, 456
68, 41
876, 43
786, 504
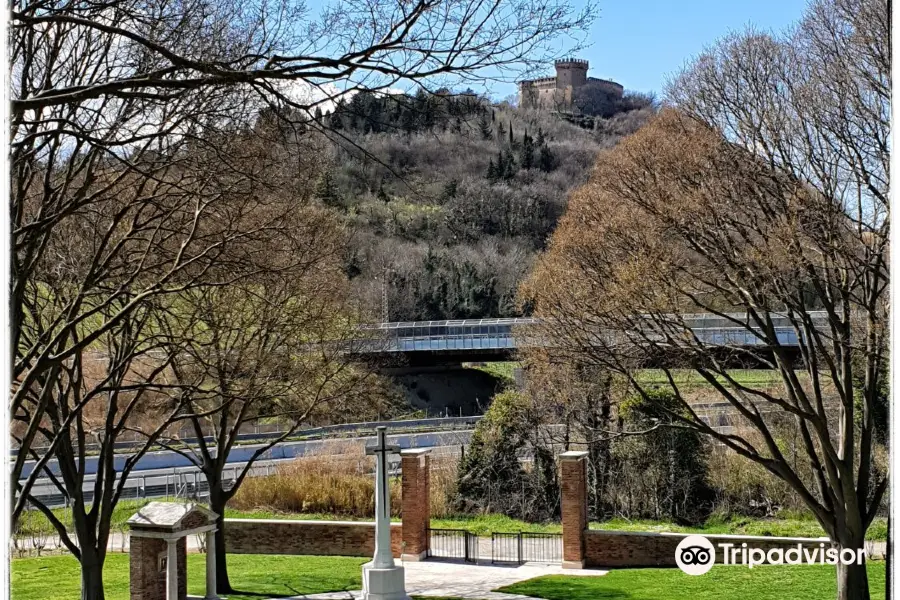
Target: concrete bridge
434, 343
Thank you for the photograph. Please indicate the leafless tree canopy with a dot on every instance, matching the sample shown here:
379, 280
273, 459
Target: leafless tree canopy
139, 98
160, 51
265, 347
763, 191
820, 107
143, 177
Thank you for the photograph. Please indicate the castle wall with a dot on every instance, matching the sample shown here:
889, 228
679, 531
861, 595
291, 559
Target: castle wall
545, 98
610, 87
557, 93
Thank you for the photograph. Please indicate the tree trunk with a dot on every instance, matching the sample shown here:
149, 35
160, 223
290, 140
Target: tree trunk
852, 582
599, 460
91, 575
888, 552
217, 503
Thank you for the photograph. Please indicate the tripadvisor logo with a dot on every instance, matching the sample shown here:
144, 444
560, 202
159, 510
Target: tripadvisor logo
695, 555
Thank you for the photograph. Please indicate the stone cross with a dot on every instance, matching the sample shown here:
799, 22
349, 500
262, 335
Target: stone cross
383, 559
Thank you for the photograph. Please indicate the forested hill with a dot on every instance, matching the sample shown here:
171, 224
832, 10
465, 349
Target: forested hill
450, 197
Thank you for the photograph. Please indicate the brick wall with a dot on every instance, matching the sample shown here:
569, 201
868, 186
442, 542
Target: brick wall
148, 581
639, 549
586, 548
338, 538
344, 538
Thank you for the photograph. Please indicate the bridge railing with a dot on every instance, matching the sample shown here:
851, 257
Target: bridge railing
720, 336
480, 341
742, 337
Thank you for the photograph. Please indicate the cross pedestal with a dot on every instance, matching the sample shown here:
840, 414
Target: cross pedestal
382, 579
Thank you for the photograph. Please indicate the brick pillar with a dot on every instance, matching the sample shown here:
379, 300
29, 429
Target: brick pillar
147, 567
415, 504
573, 484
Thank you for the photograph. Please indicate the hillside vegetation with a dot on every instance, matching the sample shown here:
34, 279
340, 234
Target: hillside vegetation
450, 196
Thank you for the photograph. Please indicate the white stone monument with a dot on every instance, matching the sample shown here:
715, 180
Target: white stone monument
382, 579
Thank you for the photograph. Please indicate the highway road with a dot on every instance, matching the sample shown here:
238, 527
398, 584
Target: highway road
170, 475
166, 459
167, 474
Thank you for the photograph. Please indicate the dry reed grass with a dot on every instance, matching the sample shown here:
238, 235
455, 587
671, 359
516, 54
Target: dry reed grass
442, 479
338, 484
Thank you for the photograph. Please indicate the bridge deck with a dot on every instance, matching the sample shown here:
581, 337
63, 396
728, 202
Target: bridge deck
509, 334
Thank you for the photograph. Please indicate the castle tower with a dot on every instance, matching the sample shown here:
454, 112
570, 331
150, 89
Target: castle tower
571, 72
558, 93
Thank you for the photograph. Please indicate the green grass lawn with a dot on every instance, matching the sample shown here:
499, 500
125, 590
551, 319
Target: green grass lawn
261, 576
689, 377
501, 370
485, 524
34, 521
793, 527
798, 526
762, 583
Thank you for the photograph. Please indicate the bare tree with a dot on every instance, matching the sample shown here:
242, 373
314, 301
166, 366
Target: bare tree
582, 399
135, 180
679, 221
264, 348
95, 357
158, 51
117, 385
762, 202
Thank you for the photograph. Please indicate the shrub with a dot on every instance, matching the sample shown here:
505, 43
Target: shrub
661, 474
491, 476
745, 488
340, 485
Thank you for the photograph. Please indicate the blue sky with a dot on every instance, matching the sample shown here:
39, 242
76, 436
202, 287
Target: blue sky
639, 42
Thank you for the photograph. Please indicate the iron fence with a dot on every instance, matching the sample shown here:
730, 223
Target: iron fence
506, 548
526, 546
179, 485
453, 543
542, 547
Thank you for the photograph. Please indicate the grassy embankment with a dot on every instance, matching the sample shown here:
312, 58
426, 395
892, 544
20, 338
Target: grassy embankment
485, 524
683, 377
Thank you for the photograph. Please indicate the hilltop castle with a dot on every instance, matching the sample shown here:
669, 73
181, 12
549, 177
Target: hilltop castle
560, 93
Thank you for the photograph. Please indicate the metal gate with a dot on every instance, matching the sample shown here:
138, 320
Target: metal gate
525, 546
453, 543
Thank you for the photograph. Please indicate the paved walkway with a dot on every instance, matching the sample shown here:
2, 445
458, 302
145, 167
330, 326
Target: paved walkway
464, 580
118, 542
